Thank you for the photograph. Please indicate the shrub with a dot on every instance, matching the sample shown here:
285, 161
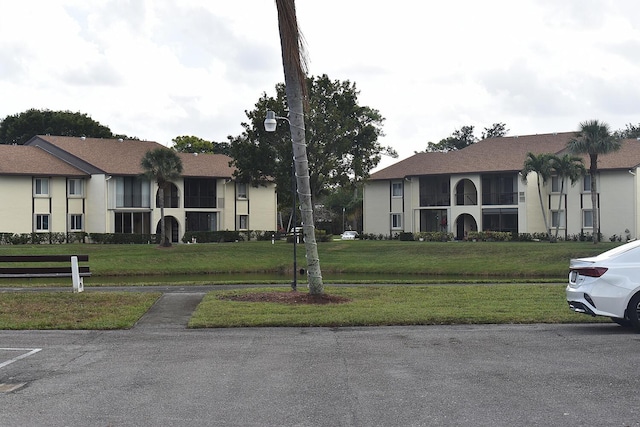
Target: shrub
212, 236
123, 238
434, 236
489, 236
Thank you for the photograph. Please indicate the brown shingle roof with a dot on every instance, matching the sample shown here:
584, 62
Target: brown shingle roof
122, 157
506, 154
21, 160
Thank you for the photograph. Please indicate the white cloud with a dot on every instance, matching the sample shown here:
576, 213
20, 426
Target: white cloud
163, 68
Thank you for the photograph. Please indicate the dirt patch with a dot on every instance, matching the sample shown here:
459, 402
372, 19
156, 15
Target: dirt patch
293, 297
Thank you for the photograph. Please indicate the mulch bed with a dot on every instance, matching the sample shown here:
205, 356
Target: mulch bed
292, 297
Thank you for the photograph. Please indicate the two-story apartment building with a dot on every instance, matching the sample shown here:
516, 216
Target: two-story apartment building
69, 184
481, 188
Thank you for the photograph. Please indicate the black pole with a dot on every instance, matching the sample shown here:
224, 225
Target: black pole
294, 284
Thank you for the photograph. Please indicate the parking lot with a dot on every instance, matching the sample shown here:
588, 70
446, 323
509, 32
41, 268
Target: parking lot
495, 375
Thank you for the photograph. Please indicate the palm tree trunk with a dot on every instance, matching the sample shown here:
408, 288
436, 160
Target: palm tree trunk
544, 214
294, 81
594, 208
163, 234
559, 207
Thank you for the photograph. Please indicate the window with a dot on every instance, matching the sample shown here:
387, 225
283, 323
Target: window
41, 186
75, 222
396, 189
587, 218
42, 222
557, 219
133, 222
243, 222
556, 183
241, 188
75, 187
201, 221
586, 183
199, 193
396, 221
132, 192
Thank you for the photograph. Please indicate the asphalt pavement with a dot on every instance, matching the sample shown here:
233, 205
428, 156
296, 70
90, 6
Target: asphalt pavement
160, 373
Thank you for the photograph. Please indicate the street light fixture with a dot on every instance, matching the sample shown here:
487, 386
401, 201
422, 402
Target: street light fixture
270, 123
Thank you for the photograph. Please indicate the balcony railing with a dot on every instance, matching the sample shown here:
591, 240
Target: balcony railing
500, 198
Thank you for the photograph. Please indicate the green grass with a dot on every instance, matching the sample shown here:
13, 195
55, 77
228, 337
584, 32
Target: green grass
66, 310
512, 261
397, 305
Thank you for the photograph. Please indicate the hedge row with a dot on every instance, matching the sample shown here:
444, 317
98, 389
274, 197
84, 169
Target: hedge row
40, 238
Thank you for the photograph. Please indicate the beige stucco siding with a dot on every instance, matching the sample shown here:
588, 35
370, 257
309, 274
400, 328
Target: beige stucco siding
97, 219
617, 211
376, 207
262, 208
15, 212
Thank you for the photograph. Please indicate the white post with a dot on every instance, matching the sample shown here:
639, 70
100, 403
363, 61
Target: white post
78, 286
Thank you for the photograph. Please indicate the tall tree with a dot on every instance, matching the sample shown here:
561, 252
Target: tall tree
342, 140
497, 130
19, 128
294, 65
464, 137
594, 138
630, 131
540, 164
459, 139
162, 165
194, 144
567, 166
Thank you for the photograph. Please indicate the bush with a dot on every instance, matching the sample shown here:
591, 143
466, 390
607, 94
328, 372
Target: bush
212, 236
489, 236
123, 238
434, 236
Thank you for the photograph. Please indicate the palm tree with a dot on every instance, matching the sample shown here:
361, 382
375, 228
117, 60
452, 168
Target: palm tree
594, 138
294, 65
162, 165
567, 166
541, 165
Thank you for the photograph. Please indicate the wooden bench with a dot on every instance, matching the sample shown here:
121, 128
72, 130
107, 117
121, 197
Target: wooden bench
72, 269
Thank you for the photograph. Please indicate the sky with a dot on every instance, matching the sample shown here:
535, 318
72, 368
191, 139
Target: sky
158, 69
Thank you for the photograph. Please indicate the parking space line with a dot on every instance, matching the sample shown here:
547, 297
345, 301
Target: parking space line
29, 352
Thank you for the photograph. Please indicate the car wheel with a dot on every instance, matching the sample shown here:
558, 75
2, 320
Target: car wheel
622, 322
633, 312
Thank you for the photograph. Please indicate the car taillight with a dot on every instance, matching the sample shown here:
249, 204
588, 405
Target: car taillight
591, 271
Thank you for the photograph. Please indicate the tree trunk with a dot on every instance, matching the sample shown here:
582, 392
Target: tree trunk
294, 79
163, 233
594, 200
544, 214
560, 208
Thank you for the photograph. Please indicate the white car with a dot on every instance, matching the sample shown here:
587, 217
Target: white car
608, 285
349, 235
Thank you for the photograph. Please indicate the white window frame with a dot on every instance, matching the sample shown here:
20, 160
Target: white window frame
39, 222
555, 215
75, 187
73, 222
587, 217
242, 190
397, 189
39, 185
396, 221
556, 183
586, 183
243, 222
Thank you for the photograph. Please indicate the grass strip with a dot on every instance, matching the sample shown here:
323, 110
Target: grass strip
397, 305
512, 260
66, 310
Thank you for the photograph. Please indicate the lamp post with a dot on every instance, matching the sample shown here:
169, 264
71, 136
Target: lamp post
270, 123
